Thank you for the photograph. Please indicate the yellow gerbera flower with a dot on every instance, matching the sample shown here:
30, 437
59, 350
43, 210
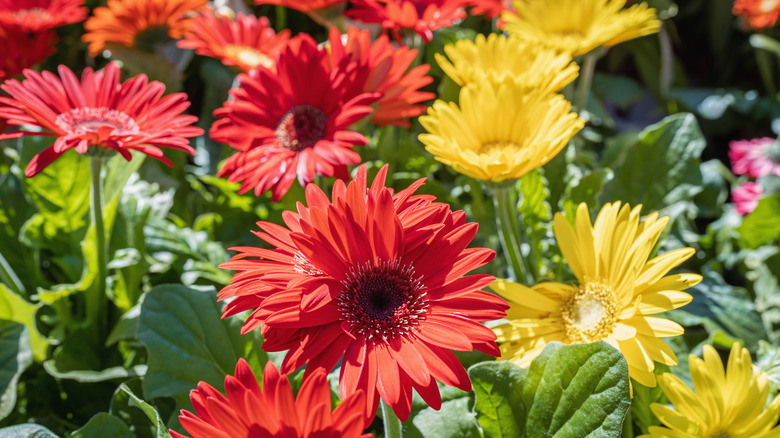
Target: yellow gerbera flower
726, 404
499, 132
579, 26
618, 291
498, 59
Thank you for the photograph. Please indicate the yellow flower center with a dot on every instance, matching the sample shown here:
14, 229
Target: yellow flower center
498, 146
590, 314
248, 56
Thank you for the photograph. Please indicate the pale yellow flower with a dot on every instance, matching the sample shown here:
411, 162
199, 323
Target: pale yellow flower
617, 293
726, 403
579, 26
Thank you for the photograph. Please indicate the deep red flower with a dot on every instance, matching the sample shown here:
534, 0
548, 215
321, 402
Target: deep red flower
292, 121
271, 412
40, 15
375, 278
383, 68
245, 42
304, 6
22, 49
99, 112
421, 16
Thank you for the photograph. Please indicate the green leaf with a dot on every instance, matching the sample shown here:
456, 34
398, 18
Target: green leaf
576, 390
760, 41
640, 405
188, 342
103, 425
15, 357
499, 404
26, 431
769, 363
14, 308
761, 226
453, 420
124, 395
660, 167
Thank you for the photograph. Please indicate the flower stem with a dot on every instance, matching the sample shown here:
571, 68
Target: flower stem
96, 302
391, 421
765, 68
586, 79
503, 200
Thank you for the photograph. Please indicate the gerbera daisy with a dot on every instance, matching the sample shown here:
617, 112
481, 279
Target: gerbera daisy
22, 50
757, 14
292, 121
755, 158
376, 280
579, 26
272, 411
40, 15
730, 403
97, 115
618, 291
138, 23
383, 68
746, 197
499, 132
491, 8
246, 42
498, 58
420, 16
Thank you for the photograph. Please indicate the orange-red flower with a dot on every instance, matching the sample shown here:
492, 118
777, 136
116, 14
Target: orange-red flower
98, 114
246, 42
375, 279
757, 13
22, 49
491, 8
271, 412
40, 15
304, 6
420, 16
292, 122
383, 68
125, 21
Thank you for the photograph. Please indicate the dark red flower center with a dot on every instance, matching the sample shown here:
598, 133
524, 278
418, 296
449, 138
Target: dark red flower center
85, 120
382, 301
301, 127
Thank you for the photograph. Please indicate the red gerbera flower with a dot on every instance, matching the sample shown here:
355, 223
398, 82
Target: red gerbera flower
304, 6
246, 42
100, 112
292, 121
272, 412
757, 14
125, 21
376, 278
40, 15
22, 50
491, 8
383, 68
421, 16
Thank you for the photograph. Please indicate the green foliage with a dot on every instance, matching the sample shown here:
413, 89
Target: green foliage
15, 357
761, 226
103, 425
568, 391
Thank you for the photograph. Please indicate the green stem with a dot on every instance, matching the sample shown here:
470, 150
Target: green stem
281, 18
586, 78
96, 303
391, 421
503, 197
628, 425
765, 68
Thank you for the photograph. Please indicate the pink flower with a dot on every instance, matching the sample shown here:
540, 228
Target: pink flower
756, 158
746, 197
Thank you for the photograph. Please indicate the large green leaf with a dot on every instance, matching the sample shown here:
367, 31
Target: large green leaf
498, 386
103, 425
15, 357
453, 420
26, 431
762, 225
188, 342
660, 167
14, 308
579, 390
